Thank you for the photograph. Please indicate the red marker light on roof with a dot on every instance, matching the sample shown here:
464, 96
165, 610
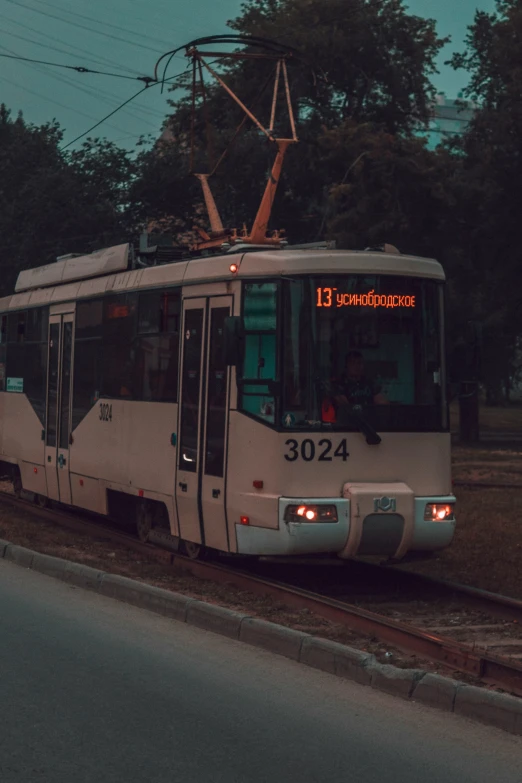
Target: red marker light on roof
140, 493
244, 520
35, 470
258, 484
233, 268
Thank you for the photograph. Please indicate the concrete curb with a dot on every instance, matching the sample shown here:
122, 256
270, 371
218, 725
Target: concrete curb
489, 707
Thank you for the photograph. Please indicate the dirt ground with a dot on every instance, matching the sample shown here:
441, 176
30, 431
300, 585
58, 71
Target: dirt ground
487, 549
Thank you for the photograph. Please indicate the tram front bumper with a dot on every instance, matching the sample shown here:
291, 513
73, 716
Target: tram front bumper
298, 538
388, 520
362, 526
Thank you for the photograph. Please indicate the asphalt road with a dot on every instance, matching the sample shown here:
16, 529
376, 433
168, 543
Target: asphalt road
92, 690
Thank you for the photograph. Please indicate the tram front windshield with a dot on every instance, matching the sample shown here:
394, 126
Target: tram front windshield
362, 348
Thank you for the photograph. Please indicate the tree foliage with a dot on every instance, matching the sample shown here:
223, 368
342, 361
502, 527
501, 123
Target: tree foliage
52, 203
491, 159
364, 62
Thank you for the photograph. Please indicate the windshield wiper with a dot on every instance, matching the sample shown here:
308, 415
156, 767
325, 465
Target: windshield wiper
372, 436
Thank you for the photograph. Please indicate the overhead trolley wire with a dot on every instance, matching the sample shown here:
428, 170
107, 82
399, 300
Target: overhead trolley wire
77, 68
104, 22
51, 100
51, 40
82, 26
118, 108
152, 120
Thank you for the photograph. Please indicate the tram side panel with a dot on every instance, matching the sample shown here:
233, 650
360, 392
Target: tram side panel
124, 446
22, 441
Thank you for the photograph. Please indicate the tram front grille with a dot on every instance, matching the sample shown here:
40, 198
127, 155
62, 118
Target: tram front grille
381, 534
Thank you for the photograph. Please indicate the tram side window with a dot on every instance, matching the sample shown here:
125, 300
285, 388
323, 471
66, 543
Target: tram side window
87, 358
260, 362
26, 359
157, 346
118, 354
126, 347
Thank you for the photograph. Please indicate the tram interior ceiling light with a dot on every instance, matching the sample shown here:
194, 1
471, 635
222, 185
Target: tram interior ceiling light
439, 512
311, 513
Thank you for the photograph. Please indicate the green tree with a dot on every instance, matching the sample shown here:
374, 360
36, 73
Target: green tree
375, 57
492, 176
367, 61
53, 203
386, 187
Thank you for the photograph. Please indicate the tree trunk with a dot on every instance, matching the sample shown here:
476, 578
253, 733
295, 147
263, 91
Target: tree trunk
469, 412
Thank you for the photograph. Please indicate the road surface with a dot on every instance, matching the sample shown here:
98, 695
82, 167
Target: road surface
92, 690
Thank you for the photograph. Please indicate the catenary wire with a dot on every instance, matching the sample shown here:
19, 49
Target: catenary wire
106, 98
82, 88
78, 68
51, 39
111, 114
104, 22
52, 100
82, 26
117, 109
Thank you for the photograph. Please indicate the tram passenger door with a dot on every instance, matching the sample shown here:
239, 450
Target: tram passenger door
215, 427
189, 429
59, 389
200, 482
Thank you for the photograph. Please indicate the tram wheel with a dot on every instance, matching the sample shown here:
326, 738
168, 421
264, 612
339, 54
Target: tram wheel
143, 521
17, 486
42, 501
192, 550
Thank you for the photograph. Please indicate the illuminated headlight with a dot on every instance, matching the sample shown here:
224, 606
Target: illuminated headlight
439, 512
304, 513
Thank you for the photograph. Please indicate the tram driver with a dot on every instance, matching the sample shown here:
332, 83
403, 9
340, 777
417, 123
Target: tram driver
353, 388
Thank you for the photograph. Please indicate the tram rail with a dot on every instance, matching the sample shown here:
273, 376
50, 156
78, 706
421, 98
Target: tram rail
500, 671
486, 485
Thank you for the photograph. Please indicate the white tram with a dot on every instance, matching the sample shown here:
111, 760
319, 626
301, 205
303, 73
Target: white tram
210, 400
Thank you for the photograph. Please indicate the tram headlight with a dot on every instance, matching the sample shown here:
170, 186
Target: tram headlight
311, 513
439, 512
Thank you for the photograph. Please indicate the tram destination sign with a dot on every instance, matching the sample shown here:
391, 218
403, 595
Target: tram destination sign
333, 297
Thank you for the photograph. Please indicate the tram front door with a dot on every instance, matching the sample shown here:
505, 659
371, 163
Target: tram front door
203, 418
59, 388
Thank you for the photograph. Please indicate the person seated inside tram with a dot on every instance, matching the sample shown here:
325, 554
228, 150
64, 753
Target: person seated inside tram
352, 388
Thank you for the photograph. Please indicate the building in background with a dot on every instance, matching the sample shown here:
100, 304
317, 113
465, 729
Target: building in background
450, 116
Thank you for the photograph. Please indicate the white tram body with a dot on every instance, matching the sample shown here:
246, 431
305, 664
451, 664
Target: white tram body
118, 391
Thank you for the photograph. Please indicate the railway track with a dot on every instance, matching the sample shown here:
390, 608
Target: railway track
460, 627
471, 484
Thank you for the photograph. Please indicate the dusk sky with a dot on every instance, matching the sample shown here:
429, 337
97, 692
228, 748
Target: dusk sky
127, 37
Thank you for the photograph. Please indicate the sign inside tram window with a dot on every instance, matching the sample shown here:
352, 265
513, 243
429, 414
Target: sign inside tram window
334, 297
15, 385
117, 311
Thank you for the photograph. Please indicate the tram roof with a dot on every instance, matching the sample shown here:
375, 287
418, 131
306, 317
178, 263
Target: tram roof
98, 274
